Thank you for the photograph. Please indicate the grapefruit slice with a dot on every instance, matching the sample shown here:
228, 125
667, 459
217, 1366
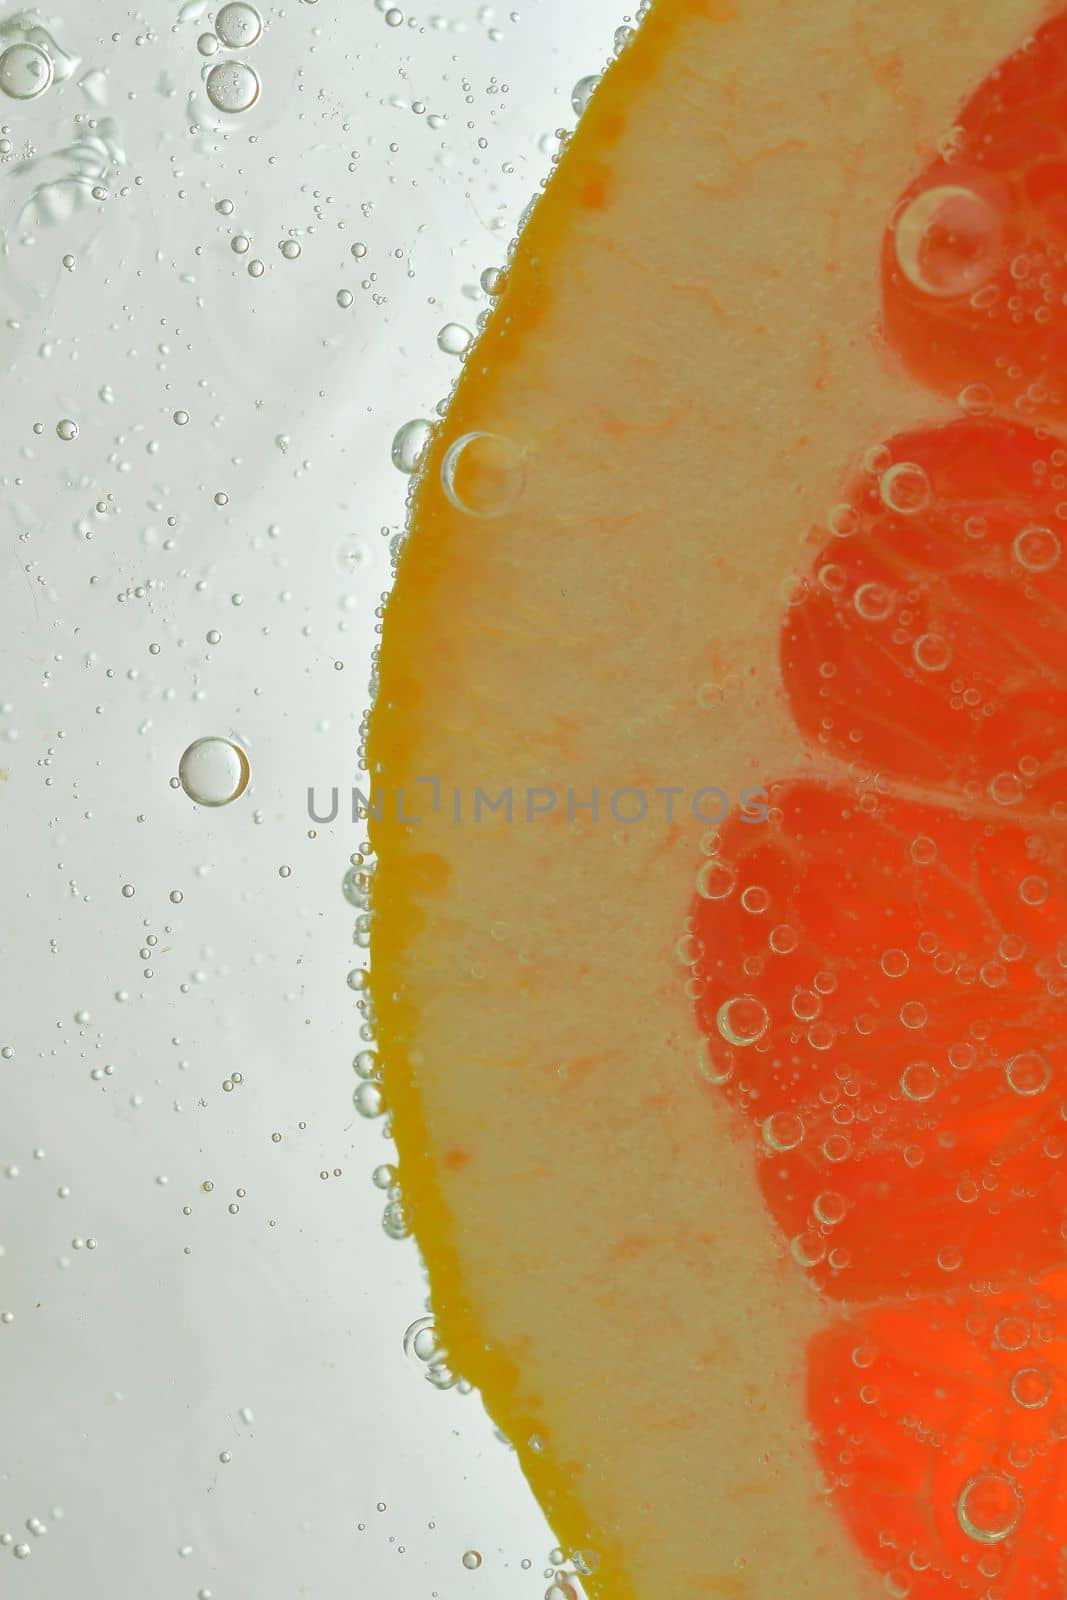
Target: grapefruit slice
590, 659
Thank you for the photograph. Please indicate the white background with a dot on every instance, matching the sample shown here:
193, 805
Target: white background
125, 1368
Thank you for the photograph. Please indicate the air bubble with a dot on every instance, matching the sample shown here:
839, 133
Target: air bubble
874, 602
67, 429
410, 444
717, 1065
213, 771
905, 488
238, 25
483, 474
454, 339
1033, 891
989, 1507
742, 1020
1028, 1073
232, 86
931, 652
948, 242
1030, 1388
369, 1098
582, 92
716, 880
25, 71
1036, 549
919, 1081
783, 1130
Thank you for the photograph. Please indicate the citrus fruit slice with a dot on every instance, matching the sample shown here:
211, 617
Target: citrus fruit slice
584, 670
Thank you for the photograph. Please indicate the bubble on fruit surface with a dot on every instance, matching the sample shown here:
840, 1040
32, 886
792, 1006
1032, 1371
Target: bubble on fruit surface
931, 653
213, 771
989, 1507
976, 399
483, 474
368, 1098
232, 87
919, 1081
905, 488
713, 1062
1036, 549
410, 444
948, 241
1028, 1073
582, 92
454, 339
874, 602
783, 1130
716, 880
25, 71
238, 25
742, 1020
1030, 1388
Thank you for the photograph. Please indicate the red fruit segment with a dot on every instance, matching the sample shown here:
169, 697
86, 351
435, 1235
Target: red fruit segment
941, 1430
882, 998
932, 640
973, 262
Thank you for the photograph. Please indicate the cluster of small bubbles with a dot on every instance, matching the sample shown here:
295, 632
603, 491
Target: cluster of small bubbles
232, 86
213, 772
410, 444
